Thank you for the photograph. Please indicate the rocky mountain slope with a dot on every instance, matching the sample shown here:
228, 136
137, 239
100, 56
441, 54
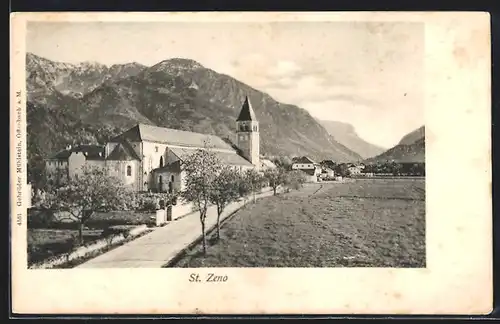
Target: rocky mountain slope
411, 148
346, 134
412, 137
89, 102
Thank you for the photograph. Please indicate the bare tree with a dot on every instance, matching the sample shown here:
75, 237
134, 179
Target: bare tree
200, 170
255, 180
275, 178
244, 188
224, 191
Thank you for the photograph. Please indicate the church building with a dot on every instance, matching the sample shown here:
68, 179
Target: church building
149, 158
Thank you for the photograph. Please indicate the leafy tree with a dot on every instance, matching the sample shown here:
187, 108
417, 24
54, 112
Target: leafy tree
255, 181
36, 171
395, 168
328, 164
93, 191
200, 170
275, 178
224, 191
244, 188
342, 169
282, 161
294, 179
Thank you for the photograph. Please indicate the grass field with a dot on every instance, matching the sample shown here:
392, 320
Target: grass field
366, 223
52, 238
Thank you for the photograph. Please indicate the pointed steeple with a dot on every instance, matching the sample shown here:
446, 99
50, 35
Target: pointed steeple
247, 113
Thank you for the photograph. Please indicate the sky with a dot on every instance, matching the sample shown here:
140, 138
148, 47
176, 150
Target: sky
368, 74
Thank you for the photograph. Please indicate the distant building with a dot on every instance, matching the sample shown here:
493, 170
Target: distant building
354, 170
308, 166
68, 162
327, 173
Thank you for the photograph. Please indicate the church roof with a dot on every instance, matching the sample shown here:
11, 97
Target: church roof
123, 152
91, 152
226, 158
143, 132
171, 167
247, 113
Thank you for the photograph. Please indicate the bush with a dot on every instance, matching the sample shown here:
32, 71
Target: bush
294, 180
40, 218
116, 230
147, 201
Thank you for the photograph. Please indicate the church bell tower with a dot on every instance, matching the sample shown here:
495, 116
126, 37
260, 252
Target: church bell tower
248, 133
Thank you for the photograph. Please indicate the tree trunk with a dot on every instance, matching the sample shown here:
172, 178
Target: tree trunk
80, 233
274, 190
219, 211
204, 236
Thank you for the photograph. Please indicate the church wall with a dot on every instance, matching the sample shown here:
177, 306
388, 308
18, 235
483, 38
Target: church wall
75, 163
166, 179
119, 169
151, 154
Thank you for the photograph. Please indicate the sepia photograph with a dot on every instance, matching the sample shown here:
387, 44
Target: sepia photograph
267, 155
211, 146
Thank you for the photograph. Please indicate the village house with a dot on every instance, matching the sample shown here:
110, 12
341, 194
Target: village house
311, 169
355, 170
66, 163
327, 173
149, 158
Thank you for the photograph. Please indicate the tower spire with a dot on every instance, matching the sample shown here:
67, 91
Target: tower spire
247, 113
248, 136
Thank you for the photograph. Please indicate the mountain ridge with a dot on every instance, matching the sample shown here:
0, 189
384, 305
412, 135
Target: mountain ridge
410, 149
176, 93
346, 133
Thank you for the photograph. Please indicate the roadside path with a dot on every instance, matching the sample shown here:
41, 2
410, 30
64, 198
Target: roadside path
155, 249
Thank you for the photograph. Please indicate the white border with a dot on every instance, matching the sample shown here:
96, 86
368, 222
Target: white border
458, 277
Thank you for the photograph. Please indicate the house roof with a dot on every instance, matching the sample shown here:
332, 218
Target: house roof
123, 152
247, 113
91, 152
303, 159
328, 162
143, 132
227, 158
171, 167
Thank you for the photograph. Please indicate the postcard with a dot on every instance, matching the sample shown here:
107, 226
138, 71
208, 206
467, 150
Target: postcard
251, 163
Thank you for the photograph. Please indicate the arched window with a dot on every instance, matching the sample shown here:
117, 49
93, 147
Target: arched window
241, 127
129, 171
170, 187
160, 183
161, 161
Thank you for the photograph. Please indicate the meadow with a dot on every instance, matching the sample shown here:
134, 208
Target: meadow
364, 223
